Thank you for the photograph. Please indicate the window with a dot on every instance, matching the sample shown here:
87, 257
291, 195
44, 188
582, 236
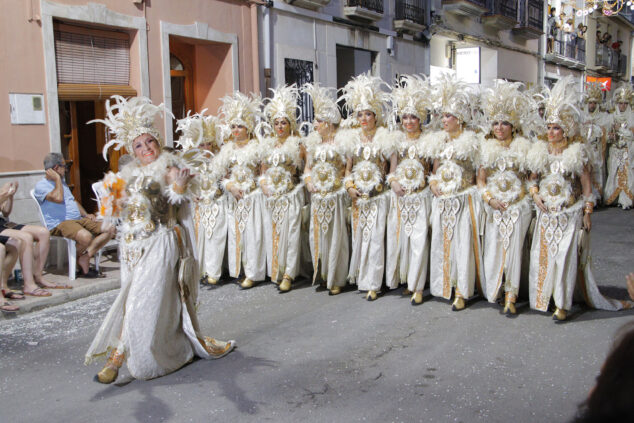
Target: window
300, 72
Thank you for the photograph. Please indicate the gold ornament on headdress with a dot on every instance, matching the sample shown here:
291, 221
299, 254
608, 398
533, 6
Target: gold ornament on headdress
560, 106
593, 93
454, 96
240, 109
128, 119
623, 94
364, 92
324, 104
283, 104
198, 129
412, 96
506, 103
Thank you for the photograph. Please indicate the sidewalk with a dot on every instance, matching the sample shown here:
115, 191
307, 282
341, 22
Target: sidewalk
82, 287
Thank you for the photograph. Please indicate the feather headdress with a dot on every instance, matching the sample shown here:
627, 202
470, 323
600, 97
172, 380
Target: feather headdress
454, 96
128, 119
593, 93
412, 96
560, 106
364, 92
324, 104
198, 129
241, 109
623, 94
283, 104
504, 102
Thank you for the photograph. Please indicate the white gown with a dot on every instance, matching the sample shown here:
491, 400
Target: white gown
592, 130
456, 253
153, 320
245, 221
619, 185
505, 231
283, 209
328, 232
369, 212
408, 218
559, 237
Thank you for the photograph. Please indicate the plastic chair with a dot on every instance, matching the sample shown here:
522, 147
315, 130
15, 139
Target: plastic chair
113, 243
70, 244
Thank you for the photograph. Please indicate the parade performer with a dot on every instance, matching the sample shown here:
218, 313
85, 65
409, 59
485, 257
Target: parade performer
371, 147
562, 192
201, 140
410, 205
283, 158
242, 157
594, 122
619, 185
152, 323
455, 257
323, 176
502, 179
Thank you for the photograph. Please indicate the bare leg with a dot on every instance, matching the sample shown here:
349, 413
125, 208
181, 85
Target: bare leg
4, 305
23, 241
83, 239
8, 263
43, 239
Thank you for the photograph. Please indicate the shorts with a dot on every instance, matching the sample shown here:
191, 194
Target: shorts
3, 239
69, 228
5, 224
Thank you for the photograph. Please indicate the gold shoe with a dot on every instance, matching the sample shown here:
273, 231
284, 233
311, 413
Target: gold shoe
211, 281
559, 315
218, 349
110, 371
417, 298
509, 304
335, 290
285, 285
406, 292
371, 296
458, 303
246, 283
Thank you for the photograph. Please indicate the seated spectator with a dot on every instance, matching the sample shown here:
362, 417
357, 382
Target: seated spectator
65, 217
8, 256
32, 259
611, 398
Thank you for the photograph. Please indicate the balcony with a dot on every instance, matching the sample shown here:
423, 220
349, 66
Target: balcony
364, 10
470, 8
568, 51
308, 4
409, 16
531, 18
502, 15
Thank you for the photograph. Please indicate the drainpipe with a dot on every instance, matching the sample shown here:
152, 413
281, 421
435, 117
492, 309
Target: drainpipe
541, 47
266, 30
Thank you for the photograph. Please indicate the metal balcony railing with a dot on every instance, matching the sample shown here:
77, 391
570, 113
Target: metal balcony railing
531, 13
567, 45
374, 5
622, 65
506, 8
412, 10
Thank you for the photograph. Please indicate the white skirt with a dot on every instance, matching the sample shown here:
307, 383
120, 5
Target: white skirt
455, 258
211, 235
408, 240
555, 262
503, 247
619, 185
283, 233
149, 321
246, 247
368, 242
328, 234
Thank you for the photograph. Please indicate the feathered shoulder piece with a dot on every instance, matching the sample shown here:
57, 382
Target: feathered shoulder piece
324, 102
250, 154
127, 119
572, 160
386, 141
290, 148
241, 109
283, 104
365, 92
464, 147
426, 146
560, 106
198, 129
491, 151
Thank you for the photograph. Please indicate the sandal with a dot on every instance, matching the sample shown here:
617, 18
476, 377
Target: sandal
92, 273
10, 294
9, 308
38, 292
41, 285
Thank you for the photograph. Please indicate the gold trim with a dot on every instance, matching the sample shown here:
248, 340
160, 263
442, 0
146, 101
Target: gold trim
446, 264
543, 270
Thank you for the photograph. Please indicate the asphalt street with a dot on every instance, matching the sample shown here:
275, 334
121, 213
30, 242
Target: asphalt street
306, 356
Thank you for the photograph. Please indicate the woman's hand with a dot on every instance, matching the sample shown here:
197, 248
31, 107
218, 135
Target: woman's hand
266, 190
539, 202
397, 188
236, 192
353, 193
310, 187
435, 190
629, 279
497, 204
587, 222
182, 177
